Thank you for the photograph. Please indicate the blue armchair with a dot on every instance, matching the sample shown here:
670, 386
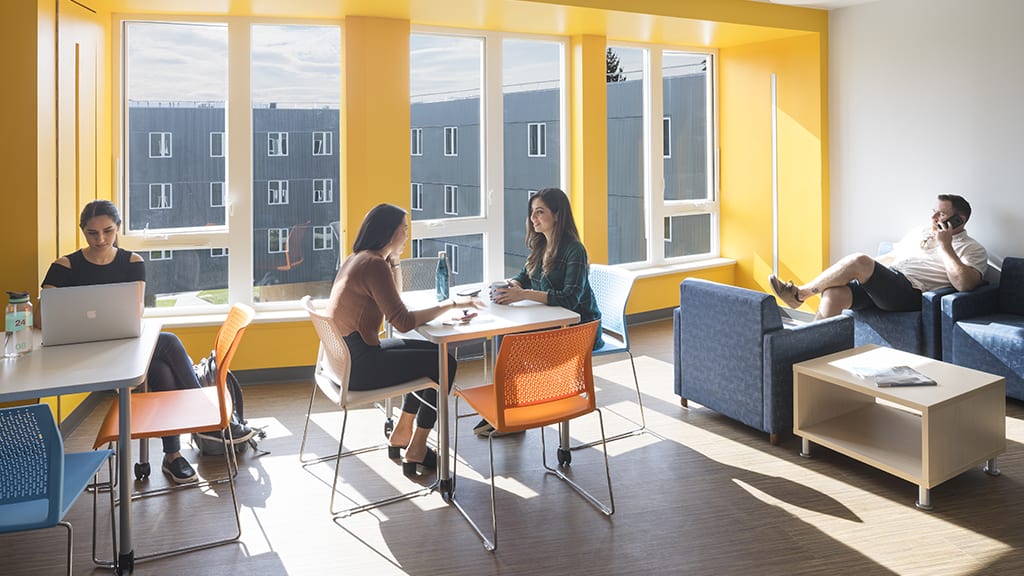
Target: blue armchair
984, 329
733, 354
916, 332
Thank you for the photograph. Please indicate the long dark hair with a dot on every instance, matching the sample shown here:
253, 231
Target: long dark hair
565, 230
378, 227
99, 208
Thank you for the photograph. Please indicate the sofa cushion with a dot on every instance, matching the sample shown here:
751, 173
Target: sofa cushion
993, 344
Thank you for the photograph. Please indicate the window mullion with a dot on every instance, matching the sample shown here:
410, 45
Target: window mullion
493, 153
654, 162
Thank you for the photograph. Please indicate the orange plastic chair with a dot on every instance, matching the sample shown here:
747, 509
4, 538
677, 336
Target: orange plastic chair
207, 409
331, 376
540, 378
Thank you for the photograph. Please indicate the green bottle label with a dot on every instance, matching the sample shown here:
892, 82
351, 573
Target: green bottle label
17, 321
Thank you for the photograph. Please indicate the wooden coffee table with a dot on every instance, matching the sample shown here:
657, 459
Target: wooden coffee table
923, 434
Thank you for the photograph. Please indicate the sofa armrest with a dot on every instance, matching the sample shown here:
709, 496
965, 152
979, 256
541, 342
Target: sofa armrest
931, 321
783, 348
962, 305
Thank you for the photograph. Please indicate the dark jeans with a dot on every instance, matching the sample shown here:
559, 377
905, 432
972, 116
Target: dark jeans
397, 360
887, 290
170, 369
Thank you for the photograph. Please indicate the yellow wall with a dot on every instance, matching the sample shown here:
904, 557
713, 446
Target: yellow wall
753, 40
746, 174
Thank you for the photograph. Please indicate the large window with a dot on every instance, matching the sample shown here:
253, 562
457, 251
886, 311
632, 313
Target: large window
662, 204
175, 89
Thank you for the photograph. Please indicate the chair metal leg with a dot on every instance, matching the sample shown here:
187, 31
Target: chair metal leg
641, 429
337, 472
608, 509
95, 488
305, 431
70, 540
490, 544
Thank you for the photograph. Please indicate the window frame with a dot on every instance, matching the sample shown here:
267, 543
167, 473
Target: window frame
326, 143
281, 140
451, 208
282, 193
416, 141
161, 255
451, 253
163, 149
451, 141
169, 187
326, 190
326, 234
222, 199
541, 150
282, 240
218, 252
657, 209
213, 150
416, 196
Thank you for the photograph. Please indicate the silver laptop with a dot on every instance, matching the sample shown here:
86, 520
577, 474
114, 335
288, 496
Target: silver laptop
91, 313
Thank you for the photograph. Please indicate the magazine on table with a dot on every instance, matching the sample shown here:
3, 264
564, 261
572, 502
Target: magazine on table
889, 376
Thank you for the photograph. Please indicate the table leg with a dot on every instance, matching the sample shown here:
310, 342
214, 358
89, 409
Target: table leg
991, 467
126, 551
924, 498
805, 447
443, 473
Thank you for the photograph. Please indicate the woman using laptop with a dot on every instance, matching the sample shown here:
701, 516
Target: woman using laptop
102, 262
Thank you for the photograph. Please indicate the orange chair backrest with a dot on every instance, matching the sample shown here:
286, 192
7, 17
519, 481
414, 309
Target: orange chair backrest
228, 338
538, 367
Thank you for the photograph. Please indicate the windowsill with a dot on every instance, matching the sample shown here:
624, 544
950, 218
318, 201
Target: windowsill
668, 269
298, 314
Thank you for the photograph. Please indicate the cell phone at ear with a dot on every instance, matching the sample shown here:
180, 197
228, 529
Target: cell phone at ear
955, 221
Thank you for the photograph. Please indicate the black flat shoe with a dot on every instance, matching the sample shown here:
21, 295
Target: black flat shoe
395, 452
429, 463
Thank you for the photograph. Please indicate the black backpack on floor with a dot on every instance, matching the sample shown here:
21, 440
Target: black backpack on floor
209, 443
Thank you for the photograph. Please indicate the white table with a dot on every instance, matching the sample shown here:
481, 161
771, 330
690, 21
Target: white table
90, 367
492, 320
923, 434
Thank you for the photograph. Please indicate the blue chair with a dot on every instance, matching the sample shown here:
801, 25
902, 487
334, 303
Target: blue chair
612, 287
984, 329
917, 332
39, 482
733, 354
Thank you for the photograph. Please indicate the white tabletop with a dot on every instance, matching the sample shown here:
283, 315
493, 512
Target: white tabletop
71, 368
492, 320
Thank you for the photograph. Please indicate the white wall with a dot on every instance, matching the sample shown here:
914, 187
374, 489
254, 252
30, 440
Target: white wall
926, 97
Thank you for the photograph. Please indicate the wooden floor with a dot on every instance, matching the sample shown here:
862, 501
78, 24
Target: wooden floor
712, 497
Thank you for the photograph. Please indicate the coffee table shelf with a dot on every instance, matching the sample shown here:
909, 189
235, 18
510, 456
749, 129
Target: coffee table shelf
923, 434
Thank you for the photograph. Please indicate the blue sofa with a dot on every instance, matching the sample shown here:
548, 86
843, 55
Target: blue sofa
733, 354
916, 332
984, 329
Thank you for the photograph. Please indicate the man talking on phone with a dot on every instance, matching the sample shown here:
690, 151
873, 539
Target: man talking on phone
928, 258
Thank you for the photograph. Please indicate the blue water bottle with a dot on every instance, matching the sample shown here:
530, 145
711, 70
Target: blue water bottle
442, 276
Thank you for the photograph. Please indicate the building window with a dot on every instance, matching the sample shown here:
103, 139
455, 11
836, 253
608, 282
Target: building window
668, 229
531, 194
277, 240
277, 192
155, 255
323, 190
160, 196
451, 141
417, 248
216, 144
666, 137
218, 252
416, 191
322, 143
416, 142
277, 143
216, 194
537, 136
159, 144
323, 238
451, 252
451, 200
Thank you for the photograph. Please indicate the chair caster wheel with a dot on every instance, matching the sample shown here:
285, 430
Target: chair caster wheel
564, 457
389, 427
141, 470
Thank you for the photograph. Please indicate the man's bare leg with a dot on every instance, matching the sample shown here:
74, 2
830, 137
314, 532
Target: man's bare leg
833, 301
857, 267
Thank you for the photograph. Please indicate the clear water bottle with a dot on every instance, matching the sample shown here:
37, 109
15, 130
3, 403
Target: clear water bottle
17, 325
442, 276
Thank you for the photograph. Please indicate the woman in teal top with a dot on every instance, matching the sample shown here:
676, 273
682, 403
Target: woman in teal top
556, 271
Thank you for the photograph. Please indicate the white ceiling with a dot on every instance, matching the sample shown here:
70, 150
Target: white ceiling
820, 4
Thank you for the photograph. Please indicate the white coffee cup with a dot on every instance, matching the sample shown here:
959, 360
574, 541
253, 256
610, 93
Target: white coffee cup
497, 286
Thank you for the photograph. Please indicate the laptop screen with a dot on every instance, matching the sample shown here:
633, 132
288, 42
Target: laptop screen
91, 313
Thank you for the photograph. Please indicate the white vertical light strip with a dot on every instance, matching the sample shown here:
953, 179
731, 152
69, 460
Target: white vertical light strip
654, 162
238, 142
775, 176
492, 153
